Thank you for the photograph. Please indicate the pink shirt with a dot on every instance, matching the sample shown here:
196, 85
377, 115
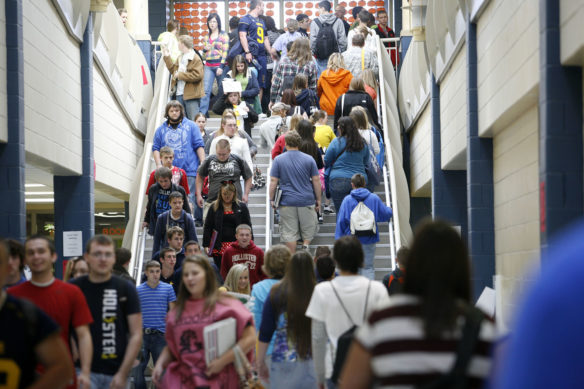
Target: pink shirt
185, 341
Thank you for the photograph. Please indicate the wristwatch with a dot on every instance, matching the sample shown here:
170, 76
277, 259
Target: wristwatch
247, 52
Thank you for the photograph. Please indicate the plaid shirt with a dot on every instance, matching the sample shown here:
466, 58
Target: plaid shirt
288, 69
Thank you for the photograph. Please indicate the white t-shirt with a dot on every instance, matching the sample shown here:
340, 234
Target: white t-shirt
325, 306
371, 140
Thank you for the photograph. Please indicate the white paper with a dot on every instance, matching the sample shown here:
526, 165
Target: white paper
72, 243
487, 301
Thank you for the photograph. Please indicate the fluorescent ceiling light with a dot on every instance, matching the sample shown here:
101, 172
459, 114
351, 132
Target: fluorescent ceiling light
41, 200
38, 193
33, 185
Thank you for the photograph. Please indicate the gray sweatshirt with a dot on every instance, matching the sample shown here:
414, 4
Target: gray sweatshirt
338, 27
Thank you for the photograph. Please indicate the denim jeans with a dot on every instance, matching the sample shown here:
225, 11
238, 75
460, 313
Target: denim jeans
210, 76
191, 106
339, 188
152, 344
321, 65
292, 375
368, 269
197, 211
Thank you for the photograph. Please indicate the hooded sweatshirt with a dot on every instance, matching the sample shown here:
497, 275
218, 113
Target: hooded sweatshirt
330, 86
306, 99
251, 256
381, 211
338, 27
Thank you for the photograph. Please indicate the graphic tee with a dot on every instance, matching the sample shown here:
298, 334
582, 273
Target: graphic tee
184, 338
111, 303
219, 171
22, 328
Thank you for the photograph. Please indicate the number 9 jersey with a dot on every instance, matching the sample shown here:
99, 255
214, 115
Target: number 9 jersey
255, 30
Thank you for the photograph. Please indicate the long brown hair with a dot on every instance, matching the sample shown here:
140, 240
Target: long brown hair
439, 273
291, 296
230, 186
300, 52
210, 293
227, 114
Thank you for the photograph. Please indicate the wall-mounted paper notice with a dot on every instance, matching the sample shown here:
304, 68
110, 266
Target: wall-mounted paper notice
72, 243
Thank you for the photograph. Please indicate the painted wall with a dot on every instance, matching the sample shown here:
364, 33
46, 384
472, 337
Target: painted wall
3, 107
420, 156
508, 61
52, 89
572, 32
453, 116
115, 160
516, 198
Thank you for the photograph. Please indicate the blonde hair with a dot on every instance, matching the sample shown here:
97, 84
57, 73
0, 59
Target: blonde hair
232, 279
276, 261
294, 120
369, 78
186, 40
357, 84
360, 117
230, 187
300, 52
335, 62
363, 29
227, 114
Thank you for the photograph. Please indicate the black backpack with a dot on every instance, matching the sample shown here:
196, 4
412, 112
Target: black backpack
326, 40
345, 340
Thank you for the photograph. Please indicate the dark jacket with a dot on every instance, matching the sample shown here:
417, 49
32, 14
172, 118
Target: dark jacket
306, 99
252, 117
164, 220
251, 90
394, 281
151, 214
214, 221
353, 98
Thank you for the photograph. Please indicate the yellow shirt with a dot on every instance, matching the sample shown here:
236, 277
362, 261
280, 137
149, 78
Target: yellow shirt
324, 135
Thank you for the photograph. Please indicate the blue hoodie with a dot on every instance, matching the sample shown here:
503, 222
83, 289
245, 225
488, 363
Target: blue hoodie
185, 139
382, 213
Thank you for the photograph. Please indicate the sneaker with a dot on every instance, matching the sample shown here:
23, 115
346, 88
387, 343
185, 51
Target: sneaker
320, 218
262, 116
305, 247
328, 209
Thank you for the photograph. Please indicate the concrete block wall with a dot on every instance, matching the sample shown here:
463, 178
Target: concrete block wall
3, 107
572, 32
516, 198
117, 146
52, 88
508, 61
453, 116
421, 155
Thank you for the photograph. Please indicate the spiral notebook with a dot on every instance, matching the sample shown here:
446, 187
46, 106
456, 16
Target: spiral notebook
219, 337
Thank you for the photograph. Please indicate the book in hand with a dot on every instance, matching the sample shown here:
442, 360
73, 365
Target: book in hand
219, 337
212, 244
277, 197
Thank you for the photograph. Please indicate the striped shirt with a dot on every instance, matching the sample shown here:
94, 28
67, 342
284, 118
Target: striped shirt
402, 357
154, 303
215, 51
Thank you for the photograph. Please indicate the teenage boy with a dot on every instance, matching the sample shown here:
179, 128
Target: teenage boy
63, 302
114, 303
29, 338
16, 263
168, 274
176, 216
245, 252
192, 247
179, 176
174, 238
159, 197
156, 298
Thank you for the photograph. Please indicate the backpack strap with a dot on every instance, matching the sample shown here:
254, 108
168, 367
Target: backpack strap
343, 105
318, 23
366, 300
468, 341
343, 305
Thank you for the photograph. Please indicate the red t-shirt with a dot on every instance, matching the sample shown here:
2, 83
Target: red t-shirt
63, 302
179, 177
252, 256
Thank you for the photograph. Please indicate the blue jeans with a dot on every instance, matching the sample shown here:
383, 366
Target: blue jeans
339, 188
210, 76
368, 269
197, 211
152, 344
292, 375
191, 106
321, 65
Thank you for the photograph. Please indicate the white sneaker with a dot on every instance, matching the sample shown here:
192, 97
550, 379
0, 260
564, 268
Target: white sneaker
262, 116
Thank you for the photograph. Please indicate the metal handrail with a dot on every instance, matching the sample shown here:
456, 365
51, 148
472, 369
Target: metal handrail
396, 48
137, 270
269, 210
154, 118
388, 168
156, 46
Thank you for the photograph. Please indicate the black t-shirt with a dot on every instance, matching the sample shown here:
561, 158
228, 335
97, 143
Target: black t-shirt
22, 328
110, 302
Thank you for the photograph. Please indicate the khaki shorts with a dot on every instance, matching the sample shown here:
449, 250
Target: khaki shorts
297, 223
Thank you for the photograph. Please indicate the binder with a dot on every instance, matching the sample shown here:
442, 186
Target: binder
219, 337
